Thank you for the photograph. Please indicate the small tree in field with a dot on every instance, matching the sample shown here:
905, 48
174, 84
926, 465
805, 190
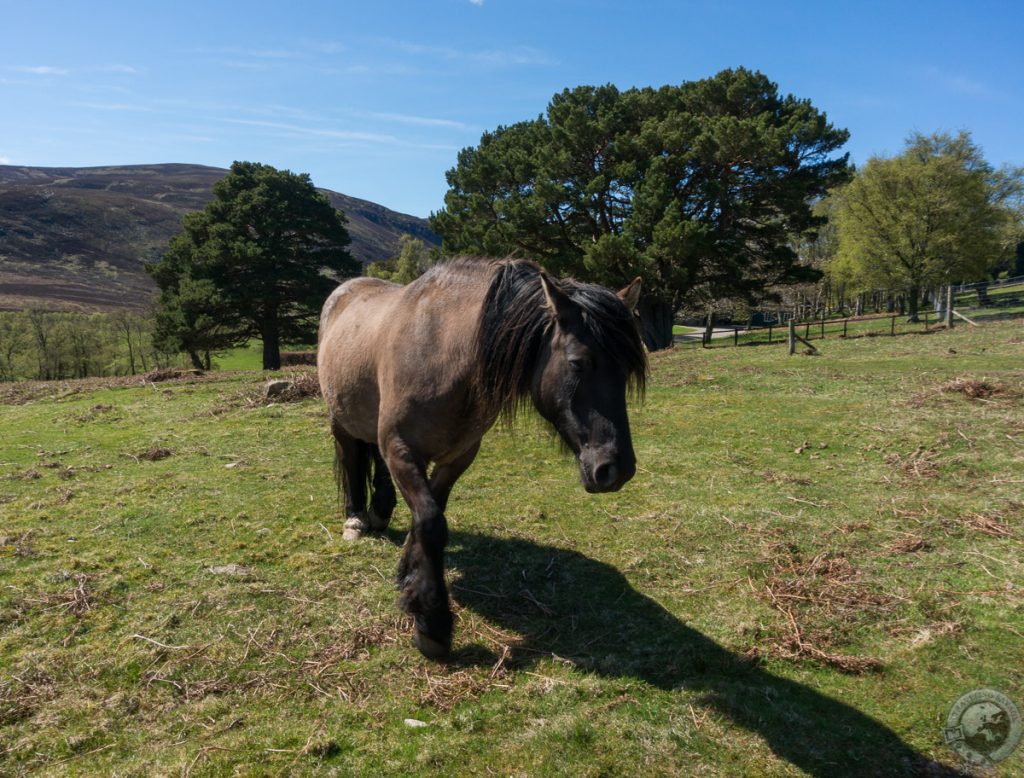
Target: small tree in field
413, 260
258, 261
936, 214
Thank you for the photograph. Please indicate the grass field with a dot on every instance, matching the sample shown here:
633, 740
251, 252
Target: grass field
817, 557
250, 356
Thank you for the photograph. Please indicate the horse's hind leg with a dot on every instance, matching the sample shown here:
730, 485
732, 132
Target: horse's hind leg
352, 468
383, 501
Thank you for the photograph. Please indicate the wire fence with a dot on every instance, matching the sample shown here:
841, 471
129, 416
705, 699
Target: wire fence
973, 304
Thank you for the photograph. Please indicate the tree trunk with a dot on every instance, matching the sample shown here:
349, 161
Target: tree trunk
655, 323
271, 345
983, 299
913, 298
197, 361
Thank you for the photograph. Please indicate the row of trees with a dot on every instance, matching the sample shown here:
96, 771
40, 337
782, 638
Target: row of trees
50, 345
719, 193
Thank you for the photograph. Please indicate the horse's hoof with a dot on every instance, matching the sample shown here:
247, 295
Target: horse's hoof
429, 647
355, 528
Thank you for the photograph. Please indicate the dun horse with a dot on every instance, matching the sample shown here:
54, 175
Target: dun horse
416, 375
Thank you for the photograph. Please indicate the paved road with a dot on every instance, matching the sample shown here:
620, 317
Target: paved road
697, 335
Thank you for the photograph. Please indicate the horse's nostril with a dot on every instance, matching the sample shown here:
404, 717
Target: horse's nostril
605, 474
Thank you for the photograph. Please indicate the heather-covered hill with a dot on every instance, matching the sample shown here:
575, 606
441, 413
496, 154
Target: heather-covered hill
77, 238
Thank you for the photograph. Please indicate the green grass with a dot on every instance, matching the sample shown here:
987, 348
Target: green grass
250, 356
874, 492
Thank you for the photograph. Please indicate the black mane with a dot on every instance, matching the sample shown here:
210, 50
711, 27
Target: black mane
516, 323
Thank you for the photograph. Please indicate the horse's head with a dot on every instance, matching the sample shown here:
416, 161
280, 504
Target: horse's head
592, 354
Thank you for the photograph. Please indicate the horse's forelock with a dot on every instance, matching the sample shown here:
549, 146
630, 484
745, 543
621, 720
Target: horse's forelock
515, 324
613, 326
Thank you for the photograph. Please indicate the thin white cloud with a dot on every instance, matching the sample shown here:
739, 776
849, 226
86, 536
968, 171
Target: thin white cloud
4, 160
477, 3
374, 139
134, 107
40, 70
966, 86
116, 68
326, 47
238, 64
421, 121
264, 54
371, 137
519, 55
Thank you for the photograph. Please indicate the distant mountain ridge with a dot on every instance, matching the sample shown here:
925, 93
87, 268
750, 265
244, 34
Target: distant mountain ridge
77, 238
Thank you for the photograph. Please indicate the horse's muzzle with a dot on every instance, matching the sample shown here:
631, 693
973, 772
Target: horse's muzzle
607, 475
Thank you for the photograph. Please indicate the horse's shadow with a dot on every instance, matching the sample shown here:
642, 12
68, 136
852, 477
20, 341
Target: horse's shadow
565, 604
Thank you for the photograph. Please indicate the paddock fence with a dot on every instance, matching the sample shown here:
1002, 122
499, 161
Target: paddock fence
973, 304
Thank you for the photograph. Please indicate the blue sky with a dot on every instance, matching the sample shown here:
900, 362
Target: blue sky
375, 98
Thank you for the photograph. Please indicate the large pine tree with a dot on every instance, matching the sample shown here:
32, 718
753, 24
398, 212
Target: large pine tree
258, 261
700, 189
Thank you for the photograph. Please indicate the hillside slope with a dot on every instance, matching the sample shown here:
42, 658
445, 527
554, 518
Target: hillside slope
77, 238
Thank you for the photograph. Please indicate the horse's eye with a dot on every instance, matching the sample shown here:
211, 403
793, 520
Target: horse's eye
579, 364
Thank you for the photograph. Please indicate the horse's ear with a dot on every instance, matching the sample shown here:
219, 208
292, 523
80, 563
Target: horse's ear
557, 300
630, 296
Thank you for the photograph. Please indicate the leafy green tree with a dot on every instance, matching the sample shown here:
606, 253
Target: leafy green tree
13, 343
192, 317
413, 260
936, 214
699, 189
258, 261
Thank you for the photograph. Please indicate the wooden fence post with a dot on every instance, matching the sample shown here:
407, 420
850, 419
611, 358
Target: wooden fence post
892, 326
792, 338
949, 307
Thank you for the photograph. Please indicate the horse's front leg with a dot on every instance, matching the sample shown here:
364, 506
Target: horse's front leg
423, 592
445, 475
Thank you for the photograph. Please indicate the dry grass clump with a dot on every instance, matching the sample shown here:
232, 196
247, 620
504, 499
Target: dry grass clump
77, 600
356, 645
154, 453
22, 693
993, 524
823, 600
974, 388
909, 545
303, 384
918, 465
446, 687
22, 392
19, 545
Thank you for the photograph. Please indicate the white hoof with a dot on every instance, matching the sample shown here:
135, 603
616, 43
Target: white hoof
355, 528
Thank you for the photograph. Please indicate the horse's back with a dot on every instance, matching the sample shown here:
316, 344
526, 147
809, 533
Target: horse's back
401, 357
